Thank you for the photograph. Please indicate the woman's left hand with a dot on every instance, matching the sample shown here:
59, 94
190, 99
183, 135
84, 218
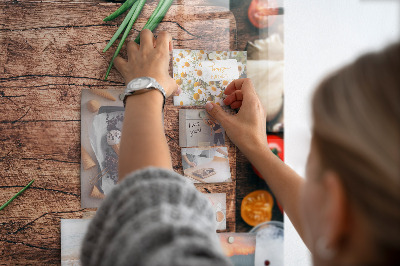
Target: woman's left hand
149, 59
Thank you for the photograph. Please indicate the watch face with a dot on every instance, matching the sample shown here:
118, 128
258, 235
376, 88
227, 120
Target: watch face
140, 83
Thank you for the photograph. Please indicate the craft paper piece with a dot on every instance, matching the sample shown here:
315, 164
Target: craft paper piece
239, 247
197, 128
100, 134
204, 75
108, 121
269, 246
206, 165
218, 201
72, 233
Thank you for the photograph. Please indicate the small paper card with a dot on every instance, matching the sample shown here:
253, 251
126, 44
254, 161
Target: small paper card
102, 114
206, 165
204, 75
197, 128
218, 202
72, 234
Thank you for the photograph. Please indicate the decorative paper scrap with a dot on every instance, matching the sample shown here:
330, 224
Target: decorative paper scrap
239, 247
100, 134
197, 128
206, 165
109, 120
269, 245
204, 75
72, 233
218, 201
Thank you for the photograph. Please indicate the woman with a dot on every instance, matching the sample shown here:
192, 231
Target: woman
217, 130
346, 211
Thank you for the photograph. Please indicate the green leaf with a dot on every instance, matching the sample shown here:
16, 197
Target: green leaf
122, 26
128, 28
156, 16
16, 195
120, 10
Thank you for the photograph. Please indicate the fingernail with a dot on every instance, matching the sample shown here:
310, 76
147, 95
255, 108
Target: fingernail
209, 106
179, 90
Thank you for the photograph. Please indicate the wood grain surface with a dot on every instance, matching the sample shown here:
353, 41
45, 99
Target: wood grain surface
49, 52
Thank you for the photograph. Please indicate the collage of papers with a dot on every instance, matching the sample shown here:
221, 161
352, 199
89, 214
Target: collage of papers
202, 76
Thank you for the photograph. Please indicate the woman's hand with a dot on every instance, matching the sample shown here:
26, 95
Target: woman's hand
149, 59
248, 127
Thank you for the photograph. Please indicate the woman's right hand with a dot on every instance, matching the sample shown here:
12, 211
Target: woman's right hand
247, 128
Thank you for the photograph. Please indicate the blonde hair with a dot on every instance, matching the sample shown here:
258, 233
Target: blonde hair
356, 114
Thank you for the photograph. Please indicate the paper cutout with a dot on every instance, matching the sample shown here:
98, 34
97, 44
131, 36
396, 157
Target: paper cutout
204, 75
72, 234
206, 165
197, 128
218, 202
99, 128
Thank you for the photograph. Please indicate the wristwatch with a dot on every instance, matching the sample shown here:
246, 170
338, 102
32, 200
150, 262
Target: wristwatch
141, 85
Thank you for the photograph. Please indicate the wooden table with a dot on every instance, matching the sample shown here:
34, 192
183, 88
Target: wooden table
49, 52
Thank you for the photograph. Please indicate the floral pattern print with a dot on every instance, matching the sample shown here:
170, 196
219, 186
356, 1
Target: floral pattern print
188, 75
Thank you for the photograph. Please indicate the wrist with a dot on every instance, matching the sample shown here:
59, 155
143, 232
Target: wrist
255, 149
152, 99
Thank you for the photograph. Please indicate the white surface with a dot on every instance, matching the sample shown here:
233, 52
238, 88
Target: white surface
321, 36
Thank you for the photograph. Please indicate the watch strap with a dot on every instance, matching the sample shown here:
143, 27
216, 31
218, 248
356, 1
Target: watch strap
154, 85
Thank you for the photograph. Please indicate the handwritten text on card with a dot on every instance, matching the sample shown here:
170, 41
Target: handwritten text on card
218, 70
194, 128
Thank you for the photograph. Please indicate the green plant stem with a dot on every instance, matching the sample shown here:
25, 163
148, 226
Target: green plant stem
122, 26
120, 10
16, 195
128, 28
155, 12
156, 17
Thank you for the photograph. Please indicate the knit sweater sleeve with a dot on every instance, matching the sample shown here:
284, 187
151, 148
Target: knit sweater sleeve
153, 217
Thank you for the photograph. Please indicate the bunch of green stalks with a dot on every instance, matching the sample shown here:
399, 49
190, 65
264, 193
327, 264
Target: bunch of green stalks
136, 7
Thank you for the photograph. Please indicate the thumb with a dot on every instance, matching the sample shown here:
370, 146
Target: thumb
218, 113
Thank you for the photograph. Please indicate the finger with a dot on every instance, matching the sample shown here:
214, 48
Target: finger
132, 48
236, 105
218, 113
119, 64
163, 41
231, 88
235, 96
146, 40
175, 88
170, 87
178, 91
245, 85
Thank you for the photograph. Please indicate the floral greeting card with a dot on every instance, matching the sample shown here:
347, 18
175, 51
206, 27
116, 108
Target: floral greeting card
204, 75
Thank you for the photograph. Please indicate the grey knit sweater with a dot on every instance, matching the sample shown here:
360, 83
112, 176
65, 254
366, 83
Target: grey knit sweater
154, 217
